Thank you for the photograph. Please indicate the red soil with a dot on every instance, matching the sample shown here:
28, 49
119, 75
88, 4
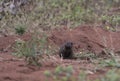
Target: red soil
94, 39
85, 37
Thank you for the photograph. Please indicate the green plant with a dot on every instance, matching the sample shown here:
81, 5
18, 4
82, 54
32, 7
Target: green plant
20, 29
61, 74
111, 76
82, 76
66, 74
26, 49
32, 49
86, 55
112, 60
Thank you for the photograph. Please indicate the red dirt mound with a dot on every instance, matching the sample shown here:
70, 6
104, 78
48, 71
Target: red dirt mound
6, 42
85, 37
94, 39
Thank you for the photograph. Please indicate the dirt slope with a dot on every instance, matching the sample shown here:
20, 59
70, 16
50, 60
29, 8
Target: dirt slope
84, 37
90, 38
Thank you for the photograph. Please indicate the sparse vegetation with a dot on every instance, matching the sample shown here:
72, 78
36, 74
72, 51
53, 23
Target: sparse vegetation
32, 50
86, 55
112, 60
66, 74
61, 74
54, 13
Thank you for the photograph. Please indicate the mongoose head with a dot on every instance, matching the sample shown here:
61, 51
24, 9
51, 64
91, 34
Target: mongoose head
68, 45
